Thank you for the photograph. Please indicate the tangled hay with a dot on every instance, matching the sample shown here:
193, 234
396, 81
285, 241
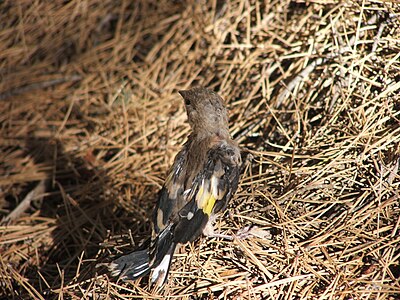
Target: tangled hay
92, 120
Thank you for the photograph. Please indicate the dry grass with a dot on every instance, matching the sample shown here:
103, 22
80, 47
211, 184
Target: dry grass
91, 120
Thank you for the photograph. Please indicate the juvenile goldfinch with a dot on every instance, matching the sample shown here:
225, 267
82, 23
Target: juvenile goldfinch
199, 185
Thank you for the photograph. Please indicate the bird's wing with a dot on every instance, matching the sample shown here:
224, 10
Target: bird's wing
210, 191
170, 197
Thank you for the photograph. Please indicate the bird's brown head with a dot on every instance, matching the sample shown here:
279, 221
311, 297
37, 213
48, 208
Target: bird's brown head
206, 111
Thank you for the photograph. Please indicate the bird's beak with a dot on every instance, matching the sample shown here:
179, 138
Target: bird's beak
184, 93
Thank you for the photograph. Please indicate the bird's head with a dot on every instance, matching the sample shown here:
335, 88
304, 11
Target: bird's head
206, 111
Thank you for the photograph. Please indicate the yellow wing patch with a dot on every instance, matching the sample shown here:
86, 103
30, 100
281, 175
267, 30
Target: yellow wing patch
210, 205
208, 194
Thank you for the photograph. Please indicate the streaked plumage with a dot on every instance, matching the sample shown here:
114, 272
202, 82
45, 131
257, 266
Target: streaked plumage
200, 183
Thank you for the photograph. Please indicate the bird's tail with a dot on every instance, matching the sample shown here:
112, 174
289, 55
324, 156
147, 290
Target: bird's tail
137, 264
162, 249
131, 266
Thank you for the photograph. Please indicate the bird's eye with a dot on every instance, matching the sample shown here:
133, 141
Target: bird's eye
187, 102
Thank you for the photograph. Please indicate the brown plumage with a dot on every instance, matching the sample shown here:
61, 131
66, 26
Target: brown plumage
199, 185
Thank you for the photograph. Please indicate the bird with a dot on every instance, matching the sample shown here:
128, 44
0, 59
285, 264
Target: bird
200, 183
